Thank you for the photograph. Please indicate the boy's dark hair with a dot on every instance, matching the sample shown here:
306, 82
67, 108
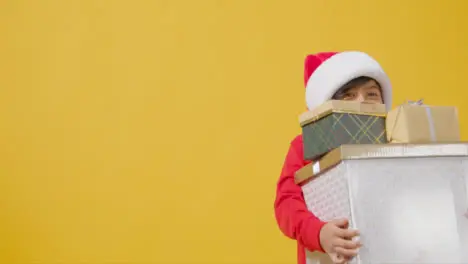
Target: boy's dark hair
353, 83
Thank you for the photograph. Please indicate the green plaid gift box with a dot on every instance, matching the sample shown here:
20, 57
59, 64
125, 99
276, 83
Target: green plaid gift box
338, 123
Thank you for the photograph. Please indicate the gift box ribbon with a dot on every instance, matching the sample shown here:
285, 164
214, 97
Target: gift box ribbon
429, 117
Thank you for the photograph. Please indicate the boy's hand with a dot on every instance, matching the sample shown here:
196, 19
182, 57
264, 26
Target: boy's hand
335, 238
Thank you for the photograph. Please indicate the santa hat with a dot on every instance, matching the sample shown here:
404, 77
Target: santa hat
326, 72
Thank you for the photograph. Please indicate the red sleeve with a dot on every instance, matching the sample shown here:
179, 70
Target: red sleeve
292, 215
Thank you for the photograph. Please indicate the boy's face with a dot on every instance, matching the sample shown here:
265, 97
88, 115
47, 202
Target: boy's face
368, 92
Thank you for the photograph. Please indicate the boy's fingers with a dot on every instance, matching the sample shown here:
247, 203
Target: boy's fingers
343, 223
347, 244
346, 253
346, 233
337, 259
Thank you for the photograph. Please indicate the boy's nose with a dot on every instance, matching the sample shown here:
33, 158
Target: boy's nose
360, 98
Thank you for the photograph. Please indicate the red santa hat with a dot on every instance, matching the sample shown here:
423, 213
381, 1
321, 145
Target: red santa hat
326, 72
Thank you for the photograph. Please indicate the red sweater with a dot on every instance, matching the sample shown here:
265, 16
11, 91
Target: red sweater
292, 215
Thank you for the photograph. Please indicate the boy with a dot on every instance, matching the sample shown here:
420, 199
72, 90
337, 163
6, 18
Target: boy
347, 75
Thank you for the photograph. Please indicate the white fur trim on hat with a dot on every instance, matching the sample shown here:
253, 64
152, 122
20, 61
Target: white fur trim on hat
340, 69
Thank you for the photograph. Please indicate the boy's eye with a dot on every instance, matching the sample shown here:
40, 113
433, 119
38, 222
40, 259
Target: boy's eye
348, 96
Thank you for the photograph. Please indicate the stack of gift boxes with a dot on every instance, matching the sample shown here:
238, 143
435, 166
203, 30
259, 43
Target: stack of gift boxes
336, 123
398, 176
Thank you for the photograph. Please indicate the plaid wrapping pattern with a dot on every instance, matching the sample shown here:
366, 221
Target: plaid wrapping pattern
342, 128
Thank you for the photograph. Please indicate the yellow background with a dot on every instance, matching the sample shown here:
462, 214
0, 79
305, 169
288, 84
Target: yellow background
155, 131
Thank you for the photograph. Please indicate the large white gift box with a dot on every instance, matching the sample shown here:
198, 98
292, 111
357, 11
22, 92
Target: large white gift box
409, 202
